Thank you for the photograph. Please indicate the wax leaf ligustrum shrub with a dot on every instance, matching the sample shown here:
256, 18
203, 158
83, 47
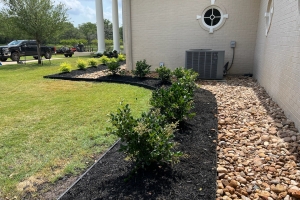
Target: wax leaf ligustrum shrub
176, 101
141, 69
147, 140
164, 74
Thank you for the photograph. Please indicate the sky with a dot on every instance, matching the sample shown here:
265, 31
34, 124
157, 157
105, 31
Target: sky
82, 11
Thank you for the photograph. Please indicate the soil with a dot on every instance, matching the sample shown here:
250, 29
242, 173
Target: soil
194, 177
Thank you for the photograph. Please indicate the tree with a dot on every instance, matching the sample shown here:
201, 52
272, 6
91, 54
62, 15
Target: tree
9, 30
70, 32
108, 29
121, 32
89, 30
39, 19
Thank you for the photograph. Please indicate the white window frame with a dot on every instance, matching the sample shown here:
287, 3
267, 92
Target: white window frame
269, 15
222, 21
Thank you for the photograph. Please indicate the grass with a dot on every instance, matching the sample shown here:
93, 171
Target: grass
52, 128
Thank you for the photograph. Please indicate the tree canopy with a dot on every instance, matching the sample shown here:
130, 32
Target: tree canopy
39, 19
89, 30
47, 22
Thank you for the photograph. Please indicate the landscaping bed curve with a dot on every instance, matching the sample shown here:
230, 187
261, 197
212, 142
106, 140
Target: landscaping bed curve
194, 177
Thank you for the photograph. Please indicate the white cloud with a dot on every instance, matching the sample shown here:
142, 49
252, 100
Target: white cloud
82, 11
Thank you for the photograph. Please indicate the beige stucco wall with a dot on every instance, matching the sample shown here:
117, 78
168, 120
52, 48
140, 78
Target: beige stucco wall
162, 30
277, 56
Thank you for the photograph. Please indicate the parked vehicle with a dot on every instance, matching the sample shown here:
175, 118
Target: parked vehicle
17, 48
67, 51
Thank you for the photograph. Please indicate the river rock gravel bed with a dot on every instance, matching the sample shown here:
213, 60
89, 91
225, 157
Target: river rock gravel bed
258, 146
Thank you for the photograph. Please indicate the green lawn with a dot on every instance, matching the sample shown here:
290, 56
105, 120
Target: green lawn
50, 128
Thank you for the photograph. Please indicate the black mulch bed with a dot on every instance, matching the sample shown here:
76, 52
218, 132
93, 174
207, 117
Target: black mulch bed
193, 178
148, 82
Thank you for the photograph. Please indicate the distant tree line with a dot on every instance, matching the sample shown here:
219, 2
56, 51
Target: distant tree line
68, 35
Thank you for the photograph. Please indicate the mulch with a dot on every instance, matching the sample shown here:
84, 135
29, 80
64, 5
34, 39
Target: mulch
194, 177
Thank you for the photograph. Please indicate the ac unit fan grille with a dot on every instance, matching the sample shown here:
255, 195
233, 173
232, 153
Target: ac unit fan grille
206, 63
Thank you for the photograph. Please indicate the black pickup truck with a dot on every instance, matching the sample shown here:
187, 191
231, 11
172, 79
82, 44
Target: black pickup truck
17, 48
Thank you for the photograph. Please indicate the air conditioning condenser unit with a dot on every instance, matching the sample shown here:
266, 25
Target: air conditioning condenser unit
207, 63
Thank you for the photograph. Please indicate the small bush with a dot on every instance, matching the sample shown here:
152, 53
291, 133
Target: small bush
104, 59
93, 62
147, 140
178, 72
65, 67
81, 64
121, 57
111, 54
115, 54
113, 66
112, 60
175, 102
142, 69
98, 55
164, 74
188, 80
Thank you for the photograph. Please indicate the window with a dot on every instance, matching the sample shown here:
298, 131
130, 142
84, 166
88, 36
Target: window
269, 15
32, 42
212, 18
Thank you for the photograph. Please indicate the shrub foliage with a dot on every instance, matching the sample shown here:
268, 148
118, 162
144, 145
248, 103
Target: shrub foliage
92, 62
104, 59
148, 139
121, 57
164, 73
176, 101
81, 64
142, 69
179, 72
113, 66
65, 67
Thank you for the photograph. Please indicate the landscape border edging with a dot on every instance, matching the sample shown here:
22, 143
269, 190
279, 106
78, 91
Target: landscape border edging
81, 176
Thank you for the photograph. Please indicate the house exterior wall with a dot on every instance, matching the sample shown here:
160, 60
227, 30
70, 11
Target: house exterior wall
163, 30
277, 56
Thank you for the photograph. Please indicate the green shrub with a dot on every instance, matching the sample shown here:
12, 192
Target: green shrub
98, 55
121, 57
113, 66
109, 42
175, 102
147, 140
164, 74
104, 59
65, 67
93, 62
112, 60
142, 69
111, 54
81, 64
115, 54
179, 72
189, 79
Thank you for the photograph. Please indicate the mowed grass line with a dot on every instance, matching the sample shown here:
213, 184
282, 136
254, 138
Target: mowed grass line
51, 128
